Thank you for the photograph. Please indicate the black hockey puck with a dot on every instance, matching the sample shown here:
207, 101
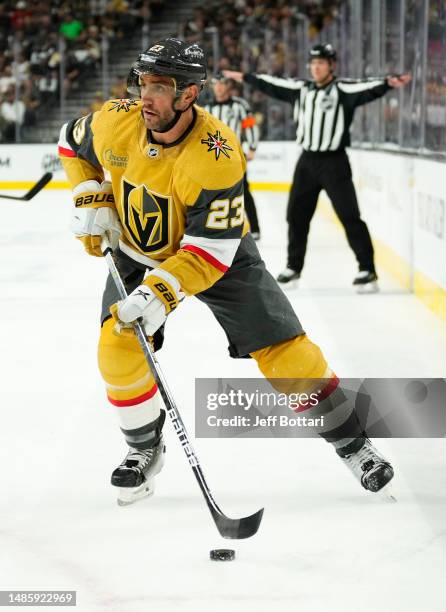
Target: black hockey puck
222, 554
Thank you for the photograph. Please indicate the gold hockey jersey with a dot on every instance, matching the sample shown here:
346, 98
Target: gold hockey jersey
180, 205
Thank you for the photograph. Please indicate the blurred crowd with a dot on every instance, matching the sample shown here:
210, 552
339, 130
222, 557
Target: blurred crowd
246, 21
261, 25
32, 35
252, 35
269, 36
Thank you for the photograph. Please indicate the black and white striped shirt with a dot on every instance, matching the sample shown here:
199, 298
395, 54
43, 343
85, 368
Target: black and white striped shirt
237, 115
323, 114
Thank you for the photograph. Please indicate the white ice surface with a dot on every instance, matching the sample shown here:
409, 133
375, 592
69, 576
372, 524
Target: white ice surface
324, 544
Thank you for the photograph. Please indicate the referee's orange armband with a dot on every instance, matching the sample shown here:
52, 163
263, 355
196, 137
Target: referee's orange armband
248, 122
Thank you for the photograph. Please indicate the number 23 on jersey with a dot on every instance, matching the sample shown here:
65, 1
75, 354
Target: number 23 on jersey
226, 213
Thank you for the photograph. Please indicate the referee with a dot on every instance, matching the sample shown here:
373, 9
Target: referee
323, 109
236, 113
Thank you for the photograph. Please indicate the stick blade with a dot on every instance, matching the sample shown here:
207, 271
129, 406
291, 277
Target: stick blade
237, 529
32, 192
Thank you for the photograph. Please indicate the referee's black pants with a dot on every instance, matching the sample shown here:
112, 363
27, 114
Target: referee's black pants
330, 171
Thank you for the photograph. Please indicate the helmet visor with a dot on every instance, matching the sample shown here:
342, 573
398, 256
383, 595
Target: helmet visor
156, 87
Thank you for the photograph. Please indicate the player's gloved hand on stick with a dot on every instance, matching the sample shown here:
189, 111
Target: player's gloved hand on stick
152, 301
94, 216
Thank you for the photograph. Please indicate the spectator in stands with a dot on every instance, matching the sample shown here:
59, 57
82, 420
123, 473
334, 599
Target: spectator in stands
12, 113
49, 85
71, 28
6, 79
73, 71
19, 15
86, 53
33, 27
5, 24
123, 17
23, 67
31, 94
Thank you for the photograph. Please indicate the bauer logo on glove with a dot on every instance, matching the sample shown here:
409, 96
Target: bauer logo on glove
95, 200
170, 300
94, 216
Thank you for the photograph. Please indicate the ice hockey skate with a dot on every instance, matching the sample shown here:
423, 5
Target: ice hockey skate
366, 282
135, 476
289, 277
368, 466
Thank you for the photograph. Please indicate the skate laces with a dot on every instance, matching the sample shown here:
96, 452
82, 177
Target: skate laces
366, 454
139, 457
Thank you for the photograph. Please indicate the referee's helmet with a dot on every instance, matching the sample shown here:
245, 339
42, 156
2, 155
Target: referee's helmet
324, 51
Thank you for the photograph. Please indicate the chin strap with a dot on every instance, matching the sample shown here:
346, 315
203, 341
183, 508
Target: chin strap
176, 118
171, 124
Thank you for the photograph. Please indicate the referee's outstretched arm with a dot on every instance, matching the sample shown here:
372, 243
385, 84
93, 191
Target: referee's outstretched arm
287, 90
356, 92
361, 91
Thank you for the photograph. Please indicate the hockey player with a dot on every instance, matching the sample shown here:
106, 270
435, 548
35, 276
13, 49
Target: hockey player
324, 108
236, 113
173, 212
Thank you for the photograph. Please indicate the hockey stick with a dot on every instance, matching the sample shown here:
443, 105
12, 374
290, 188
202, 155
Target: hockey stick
229, 528
33, 191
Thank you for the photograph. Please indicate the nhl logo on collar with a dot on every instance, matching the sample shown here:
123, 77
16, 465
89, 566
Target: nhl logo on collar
153, 152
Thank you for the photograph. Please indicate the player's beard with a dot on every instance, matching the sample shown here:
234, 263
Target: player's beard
158, 122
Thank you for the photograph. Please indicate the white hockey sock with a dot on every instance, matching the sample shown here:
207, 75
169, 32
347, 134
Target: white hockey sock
135, 417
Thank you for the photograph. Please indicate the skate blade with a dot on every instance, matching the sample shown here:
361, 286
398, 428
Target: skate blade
367, 288
129, 495
387, 493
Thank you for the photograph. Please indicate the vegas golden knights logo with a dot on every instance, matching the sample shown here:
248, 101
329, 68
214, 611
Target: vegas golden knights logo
146, 217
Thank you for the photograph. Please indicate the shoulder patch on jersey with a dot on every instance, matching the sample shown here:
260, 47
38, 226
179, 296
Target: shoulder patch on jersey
123, 104
216, 142
79, 130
